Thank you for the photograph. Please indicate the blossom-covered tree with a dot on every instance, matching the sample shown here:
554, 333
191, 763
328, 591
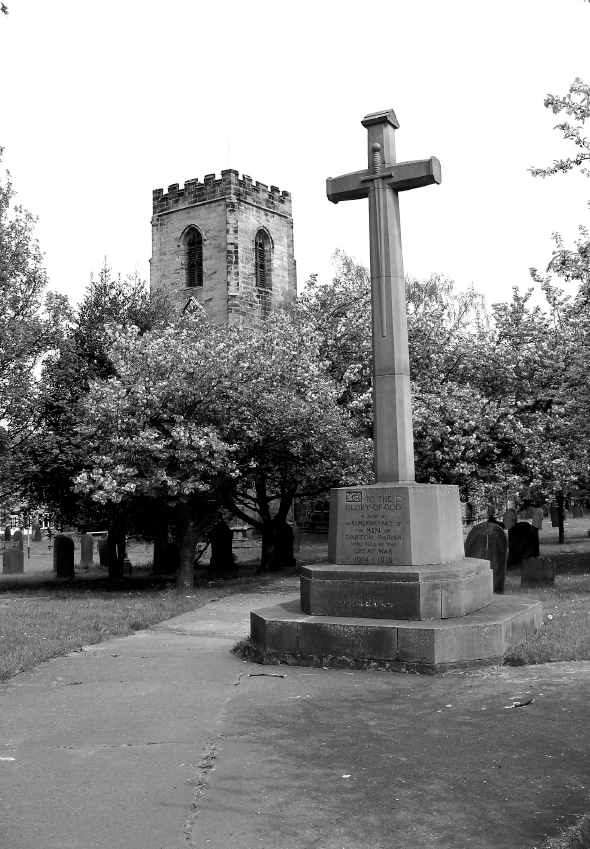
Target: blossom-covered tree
29, 327
196, 410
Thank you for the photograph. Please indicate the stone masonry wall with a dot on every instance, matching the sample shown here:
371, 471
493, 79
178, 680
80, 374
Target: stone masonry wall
228, 213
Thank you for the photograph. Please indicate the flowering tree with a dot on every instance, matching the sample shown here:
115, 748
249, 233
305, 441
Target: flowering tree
29, 328
197, 410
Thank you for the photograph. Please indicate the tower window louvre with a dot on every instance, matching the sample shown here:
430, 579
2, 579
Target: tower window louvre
194, 258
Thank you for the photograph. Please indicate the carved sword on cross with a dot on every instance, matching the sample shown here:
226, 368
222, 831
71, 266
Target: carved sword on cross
381, 182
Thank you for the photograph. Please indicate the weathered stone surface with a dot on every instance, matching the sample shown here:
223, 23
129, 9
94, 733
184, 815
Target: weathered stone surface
86, 551
103, 552
63, 556
537, 570
523, 542
401, 592
284, 633
395, 524
488, 542
509, 519
36, 528
18, 537
7, 533
14, 562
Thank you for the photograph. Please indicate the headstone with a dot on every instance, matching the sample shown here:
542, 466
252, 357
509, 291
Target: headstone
523, 542
537, 570
487, 541
537, 518
127, 567
86, 551
166, 558
103, 552
296, 537
18, 537
528, 512
509, 518
36, 532
555, 516
63, 556
545, 510
7, 534
578, 512
14, 562
223, 560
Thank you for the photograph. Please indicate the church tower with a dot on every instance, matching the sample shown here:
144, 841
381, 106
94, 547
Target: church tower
227, 244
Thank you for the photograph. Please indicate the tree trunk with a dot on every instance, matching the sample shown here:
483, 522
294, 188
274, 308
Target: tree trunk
560, 517
193, 524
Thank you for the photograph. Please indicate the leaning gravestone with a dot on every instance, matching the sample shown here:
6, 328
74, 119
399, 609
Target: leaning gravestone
523, 542
14, 562
509, 518
36, 532
7, 534
18, 537
63, 556
86, 551
487, 541
537, 570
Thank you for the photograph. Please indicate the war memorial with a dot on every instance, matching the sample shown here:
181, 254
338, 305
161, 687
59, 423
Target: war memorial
397, 592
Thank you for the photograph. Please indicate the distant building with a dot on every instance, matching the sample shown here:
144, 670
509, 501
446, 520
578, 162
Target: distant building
227, 243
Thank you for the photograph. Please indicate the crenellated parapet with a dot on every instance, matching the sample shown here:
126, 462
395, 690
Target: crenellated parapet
230, 185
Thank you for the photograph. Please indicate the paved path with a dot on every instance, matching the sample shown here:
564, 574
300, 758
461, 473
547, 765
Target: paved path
164, 739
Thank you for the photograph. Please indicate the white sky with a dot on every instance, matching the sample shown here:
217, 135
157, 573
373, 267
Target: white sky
103, 101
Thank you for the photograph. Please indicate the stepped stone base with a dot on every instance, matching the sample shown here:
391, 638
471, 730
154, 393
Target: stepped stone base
433, 591
285, 634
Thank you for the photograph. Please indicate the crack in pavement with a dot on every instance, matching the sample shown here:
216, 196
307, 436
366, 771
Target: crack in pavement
203, 769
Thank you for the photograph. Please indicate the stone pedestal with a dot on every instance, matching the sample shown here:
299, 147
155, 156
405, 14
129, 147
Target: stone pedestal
397, 592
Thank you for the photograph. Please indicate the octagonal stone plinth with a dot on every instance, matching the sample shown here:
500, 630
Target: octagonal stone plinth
285, 634
435, 591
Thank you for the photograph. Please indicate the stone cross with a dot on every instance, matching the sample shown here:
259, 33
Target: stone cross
381, 182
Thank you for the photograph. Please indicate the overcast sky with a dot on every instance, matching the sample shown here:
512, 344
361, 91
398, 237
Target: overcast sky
102, 102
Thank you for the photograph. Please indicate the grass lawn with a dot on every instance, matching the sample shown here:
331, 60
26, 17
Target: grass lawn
44, 620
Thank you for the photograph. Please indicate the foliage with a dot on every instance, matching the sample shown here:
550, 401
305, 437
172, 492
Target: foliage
196, 409
29, 328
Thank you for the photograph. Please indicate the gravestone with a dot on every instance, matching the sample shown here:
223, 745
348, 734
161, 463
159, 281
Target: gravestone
127, 566
166, 558
296, 537
7, 534
18, 537
537, 518
14, 562
555, 517
537, 570
578, 512
36, 532
397, 591
86, 551
63, 556
223, 560
103, 552
509, 518
523, 542
487, 541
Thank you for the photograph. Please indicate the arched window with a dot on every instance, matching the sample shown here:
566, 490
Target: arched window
193, 245
262, 262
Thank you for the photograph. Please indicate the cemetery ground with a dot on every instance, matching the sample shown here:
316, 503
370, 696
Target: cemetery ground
169, 739
41, 617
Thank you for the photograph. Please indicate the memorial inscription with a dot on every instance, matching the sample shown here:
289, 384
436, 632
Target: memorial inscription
372, 528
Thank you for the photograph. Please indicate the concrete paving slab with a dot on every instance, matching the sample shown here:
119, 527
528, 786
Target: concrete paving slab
165, 739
